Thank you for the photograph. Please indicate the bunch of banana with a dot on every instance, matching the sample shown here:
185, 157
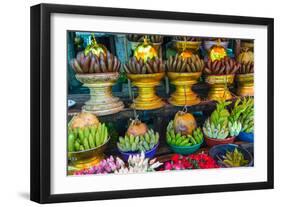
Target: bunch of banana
177, 139
80, 139
104, 63
142, 143
238, 108
225, 66
215, 131
135, 66
234, 128
234, 159
184, 65
186, 38
246, 68
216, 126
139, 38
247, 117
155, 38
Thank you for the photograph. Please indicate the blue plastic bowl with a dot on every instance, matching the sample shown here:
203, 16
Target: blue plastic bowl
148, 154
246, 137
220, 150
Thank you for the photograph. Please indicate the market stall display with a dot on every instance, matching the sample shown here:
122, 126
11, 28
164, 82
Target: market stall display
189, 111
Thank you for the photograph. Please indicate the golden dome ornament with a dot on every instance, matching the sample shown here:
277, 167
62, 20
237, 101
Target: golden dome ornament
217, 52
95, 47
145, 50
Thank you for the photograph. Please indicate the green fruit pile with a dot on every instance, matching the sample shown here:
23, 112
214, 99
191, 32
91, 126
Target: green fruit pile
247, 117
216, 126
234, 159
141, 143
80, 139
177, 139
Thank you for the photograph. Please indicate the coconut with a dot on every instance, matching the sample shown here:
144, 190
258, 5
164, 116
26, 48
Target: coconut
137, 128
84, 119
184, 123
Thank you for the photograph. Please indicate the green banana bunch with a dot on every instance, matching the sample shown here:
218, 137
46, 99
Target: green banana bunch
80, 139
234, 159
234, 128
220, 115
177, 139
246, 118
142, 143
215, 131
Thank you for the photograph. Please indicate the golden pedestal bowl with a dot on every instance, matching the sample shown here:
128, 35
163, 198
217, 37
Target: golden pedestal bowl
147, 98
181, 46
184, 94
219, 86
85, 159
245, 84
101, 102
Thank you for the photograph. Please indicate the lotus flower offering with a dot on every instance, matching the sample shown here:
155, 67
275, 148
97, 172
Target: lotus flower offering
152, 102
98, 71
184, 73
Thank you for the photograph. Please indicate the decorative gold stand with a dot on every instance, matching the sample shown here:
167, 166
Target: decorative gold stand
219, 86
245, 84
184, 94
101, 102
85, 159
146, 83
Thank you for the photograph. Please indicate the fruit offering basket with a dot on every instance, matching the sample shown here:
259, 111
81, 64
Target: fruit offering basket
87, 141
184, 73
101, 102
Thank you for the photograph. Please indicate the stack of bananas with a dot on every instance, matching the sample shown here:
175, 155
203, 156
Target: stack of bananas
184, 65
246, 68
138, 66
234, 159
247, 117
91, 63
80, 139
177, 139
141, 143
216, 126
223, 66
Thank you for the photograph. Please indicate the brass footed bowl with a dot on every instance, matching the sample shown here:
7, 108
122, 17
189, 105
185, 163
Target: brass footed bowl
97, 78
184, 94
219, 86
245, 84
87, 158
146, 83
183, 45
101, 102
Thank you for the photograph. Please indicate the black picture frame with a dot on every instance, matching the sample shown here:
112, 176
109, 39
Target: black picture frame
41, 102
